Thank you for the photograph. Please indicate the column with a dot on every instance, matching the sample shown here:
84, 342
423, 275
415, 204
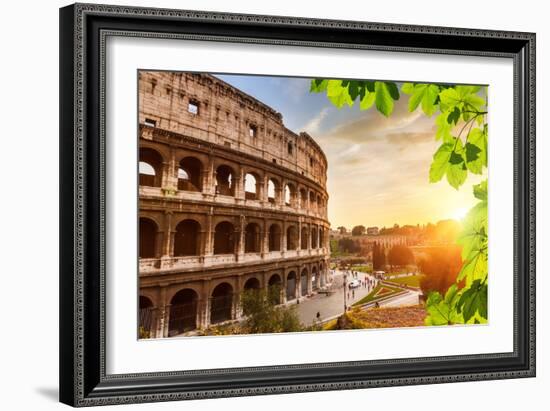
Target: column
237, 309
264, 246
165, 312
209, 235
265, 194
168, 240
239, 184
159, 237
299, 237
240, 237
260, 188
280, 195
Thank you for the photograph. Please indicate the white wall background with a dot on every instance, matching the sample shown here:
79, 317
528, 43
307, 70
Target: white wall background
29, 205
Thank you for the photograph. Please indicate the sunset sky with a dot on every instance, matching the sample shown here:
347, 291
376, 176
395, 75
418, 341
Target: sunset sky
378, 167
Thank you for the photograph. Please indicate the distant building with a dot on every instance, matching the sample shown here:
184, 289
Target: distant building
372, 231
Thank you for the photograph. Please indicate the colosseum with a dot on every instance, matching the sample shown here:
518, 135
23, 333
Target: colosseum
229, 200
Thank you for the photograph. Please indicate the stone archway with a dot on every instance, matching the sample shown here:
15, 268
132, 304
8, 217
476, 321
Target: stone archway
303, 282
186, 240
224, 238
221, 303
291, 285
183, 312
274, 288
147, 238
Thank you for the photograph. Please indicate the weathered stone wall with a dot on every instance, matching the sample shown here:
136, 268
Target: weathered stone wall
275, 236
225, 115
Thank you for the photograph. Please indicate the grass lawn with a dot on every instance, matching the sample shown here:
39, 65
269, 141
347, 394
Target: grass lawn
413, 280
375, 293
362, 268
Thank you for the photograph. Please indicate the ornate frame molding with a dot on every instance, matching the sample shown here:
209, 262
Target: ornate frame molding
82, 294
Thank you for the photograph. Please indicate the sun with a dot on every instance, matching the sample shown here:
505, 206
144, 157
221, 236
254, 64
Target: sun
460, 213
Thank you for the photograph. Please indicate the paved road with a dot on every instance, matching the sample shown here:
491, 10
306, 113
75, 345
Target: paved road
329, 306
332, 305
411, 298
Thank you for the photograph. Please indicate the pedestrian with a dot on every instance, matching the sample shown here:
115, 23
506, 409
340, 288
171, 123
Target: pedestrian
318, 316
353, 293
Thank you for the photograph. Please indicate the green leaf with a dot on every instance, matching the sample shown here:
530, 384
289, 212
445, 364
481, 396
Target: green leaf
475, 267
454, 116
478, 138
473, 237
353, 89
448, 160
367, 101
425, 94
384, 97
461, 97
443, 311
480, 191
457, 174
440, 162
449, 99
474, 162
473, 299
393, 90
443, 131
407, 88
338, 94
318, 85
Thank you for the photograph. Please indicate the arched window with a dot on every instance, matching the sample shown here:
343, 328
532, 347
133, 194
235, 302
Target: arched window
290, 193
252, 238
321, 237
186, 240
291, 286
272, 190
251, 187
221, 303
225, 181
183, 312
303, 198
189, 174
313, 237
314, 279
150, 167
147, 317
312, 200
304, 242
291, 238
224, 238
252, 284
274, 289
319, 203
274, 237
303, 282
147, 238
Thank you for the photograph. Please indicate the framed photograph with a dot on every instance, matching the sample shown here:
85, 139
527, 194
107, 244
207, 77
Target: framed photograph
259, 205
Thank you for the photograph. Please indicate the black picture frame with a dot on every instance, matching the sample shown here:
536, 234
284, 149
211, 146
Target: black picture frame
83, 29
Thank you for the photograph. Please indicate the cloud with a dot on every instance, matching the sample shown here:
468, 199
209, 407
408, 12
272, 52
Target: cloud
373, 126
313, 126
404, 139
